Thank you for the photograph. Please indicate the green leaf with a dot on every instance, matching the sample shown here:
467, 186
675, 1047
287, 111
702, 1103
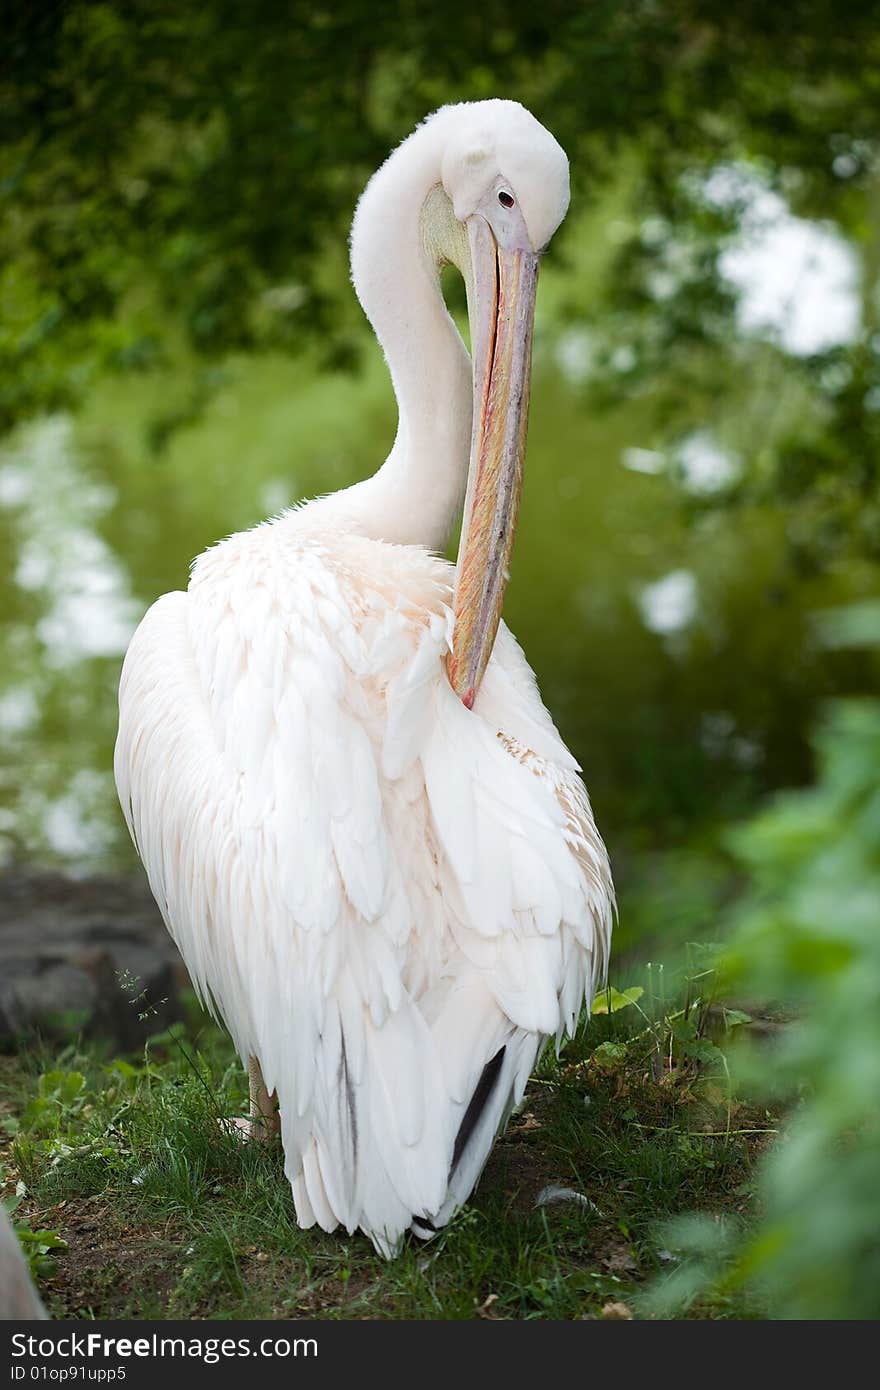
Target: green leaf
611, 1000
49, 1240
733, 1018
66, 1087
609, 1055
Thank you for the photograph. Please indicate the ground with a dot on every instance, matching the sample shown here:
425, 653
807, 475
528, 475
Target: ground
167, 1215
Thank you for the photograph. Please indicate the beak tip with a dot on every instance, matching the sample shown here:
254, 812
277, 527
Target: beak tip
468, 698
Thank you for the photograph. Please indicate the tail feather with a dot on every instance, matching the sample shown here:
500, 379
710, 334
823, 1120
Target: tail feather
501, 1087
476, 1106
400, 1143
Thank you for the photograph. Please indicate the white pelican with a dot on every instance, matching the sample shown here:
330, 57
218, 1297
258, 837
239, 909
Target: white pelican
361, 826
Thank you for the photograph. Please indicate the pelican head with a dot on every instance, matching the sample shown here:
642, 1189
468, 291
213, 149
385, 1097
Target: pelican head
506, 179
482, 186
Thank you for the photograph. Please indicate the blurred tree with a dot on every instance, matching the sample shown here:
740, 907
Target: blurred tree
214, 152
177, 182
805, 932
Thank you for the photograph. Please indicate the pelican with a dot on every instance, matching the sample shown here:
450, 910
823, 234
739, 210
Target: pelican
362, 828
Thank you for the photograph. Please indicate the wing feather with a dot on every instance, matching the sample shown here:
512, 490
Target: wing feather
377, 890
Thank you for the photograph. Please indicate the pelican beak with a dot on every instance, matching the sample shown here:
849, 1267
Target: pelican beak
501, 295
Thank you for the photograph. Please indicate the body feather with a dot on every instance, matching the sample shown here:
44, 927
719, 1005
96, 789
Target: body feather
377, 891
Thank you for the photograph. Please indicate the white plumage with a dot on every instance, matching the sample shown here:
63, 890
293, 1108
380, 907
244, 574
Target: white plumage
375, 888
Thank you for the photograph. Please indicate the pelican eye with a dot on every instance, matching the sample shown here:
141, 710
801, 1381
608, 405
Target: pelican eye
506, 199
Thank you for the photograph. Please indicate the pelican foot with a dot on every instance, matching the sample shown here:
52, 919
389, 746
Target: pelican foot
243, 1127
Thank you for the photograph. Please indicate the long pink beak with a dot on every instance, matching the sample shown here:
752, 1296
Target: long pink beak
502, 318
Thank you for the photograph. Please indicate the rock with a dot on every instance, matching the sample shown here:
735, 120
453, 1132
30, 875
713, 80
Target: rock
87, 956
18, 1297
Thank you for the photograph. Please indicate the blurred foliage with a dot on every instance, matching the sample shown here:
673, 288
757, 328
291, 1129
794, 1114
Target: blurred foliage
167, 159
808, 934
177, 186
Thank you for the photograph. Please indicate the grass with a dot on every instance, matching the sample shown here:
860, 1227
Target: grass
166, 1215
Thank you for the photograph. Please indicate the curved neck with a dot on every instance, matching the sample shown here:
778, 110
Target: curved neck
395, 260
